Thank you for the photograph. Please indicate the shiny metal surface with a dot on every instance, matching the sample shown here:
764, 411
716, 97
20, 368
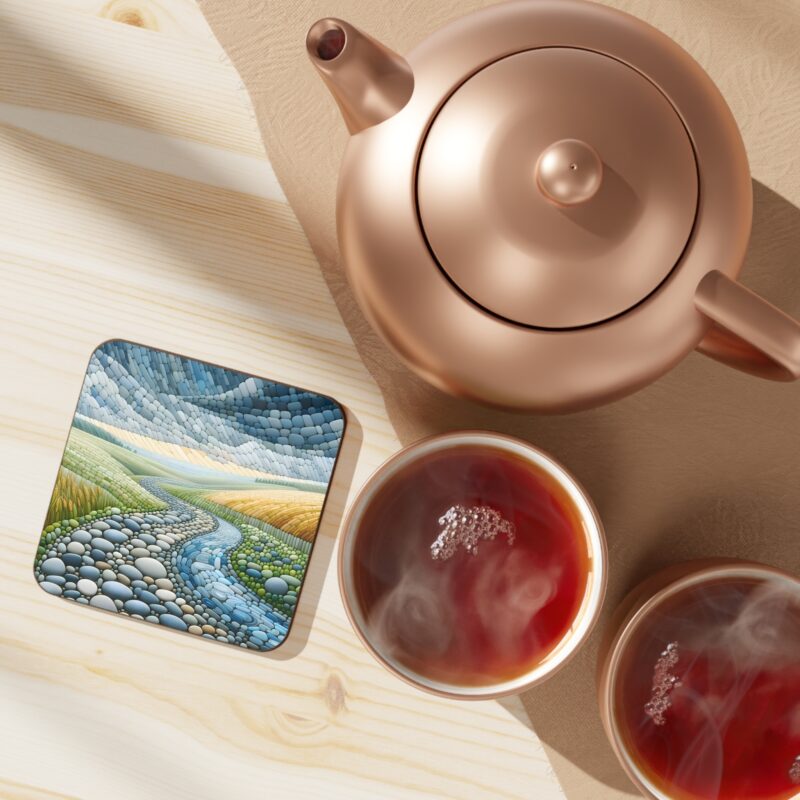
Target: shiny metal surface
752, 335
569, 172
369, 82
454, 342
503, 241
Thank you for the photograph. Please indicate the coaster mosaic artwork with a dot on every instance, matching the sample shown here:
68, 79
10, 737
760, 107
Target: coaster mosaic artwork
189, 495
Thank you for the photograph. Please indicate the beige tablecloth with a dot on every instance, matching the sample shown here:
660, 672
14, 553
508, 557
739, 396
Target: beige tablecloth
704, 462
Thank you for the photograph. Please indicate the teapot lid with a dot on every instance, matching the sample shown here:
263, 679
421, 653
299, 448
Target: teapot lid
557, 187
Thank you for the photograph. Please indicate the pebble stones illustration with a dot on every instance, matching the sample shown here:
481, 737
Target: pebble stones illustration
142, 565
188, 496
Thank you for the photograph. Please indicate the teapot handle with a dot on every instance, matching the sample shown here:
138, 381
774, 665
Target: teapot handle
749, 333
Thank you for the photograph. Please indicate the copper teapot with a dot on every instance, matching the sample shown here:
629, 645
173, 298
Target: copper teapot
546, 205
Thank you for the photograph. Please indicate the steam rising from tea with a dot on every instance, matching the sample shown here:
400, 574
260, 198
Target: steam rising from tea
708, 697
470, 565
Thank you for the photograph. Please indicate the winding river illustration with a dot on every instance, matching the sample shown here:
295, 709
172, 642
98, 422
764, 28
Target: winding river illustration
189, 496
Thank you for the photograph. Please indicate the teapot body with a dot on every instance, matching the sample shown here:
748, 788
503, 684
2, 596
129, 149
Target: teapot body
453, 340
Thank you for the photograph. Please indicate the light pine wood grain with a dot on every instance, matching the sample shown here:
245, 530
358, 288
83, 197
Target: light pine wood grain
136, 202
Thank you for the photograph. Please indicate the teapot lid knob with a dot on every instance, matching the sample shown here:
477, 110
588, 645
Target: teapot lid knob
569, 172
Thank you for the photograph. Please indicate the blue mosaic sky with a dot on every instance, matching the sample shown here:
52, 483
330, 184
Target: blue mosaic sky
232, 417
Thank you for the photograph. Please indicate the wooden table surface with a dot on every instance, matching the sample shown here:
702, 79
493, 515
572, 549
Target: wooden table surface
136, 202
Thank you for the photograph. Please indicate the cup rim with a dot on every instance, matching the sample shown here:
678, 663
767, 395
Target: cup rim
661, 586
585, 618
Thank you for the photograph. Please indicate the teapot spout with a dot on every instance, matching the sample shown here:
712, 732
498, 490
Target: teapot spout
369, 82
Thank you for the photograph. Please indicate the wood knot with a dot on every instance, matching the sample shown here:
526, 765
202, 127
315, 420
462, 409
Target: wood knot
130, 13
335, 693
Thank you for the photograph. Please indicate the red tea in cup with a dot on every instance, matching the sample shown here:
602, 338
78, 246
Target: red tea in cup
473, 562
706, 702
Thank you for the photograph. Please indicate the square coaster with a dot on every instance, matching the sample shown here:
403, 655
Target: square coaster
189, 495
